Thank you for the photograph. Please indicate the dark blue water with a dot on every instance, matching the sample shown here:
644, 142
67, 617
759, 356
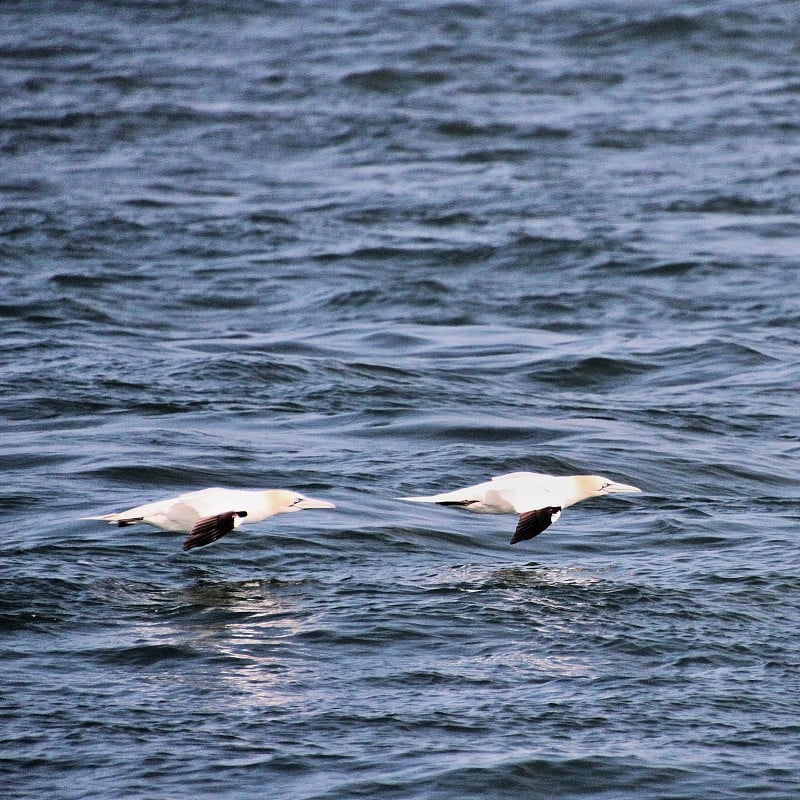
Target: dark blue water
366, 250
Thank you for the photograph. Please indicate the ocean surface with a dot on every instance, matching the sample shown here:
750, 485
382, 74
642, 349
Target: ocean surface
367, 250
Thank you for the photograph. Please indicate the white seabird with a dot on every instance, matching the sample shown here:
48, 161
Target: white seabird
208, 514
537, 498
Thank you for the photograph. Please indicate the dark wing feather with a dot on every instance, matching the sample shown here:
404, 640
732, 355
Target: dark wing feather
209, 529
123, 523
532, 523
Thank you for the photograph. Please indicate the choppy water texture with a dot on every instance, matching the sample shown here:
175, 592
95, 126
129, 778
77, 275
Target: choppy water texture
366, 250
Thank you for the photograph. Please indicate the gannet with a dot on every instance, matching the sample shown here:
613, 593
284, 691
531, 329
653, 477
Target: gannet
537, 498
209, 514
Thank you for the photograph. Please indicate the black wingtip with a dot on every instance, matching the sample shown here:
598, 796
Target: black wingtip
532, 523
209, 529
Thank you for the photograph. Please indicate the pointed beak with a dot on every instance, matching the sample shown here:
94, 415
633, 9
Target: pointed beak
310, 502
620, 488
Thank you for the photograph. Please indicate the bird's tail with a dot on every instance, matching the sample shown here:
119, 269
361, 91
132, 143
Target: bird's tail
433, 498
456, 498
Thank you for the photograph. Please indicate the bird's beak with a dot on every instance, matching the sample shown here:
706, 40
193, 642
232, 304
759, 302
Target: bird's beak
619, 488
310, 502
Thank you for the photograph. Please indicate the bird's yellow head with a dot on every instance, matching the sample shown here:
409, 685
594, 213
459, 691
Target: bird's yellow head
597, 485
284, 500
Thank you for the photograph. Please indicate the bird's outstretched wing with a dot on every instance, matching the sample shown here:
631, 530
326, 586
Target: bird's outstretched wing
209, 529
532, 523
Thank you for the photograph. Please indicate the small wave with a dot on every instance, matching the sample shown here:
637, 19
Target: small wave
653, 30
389, 80
723, 204
147, 655
595, 371
21, 221
590, 775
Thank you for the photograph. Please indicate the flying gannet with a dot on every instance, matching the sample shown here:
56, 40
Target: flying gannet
208, 514
537, 498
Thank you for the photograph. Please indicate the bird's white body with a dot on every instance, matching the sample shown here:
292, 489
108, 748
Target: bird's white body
536, 497
213, 512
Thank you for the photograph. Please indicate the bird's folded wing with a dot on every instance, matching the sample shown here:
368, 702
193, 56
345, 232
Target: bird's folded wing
532, 523
209, 529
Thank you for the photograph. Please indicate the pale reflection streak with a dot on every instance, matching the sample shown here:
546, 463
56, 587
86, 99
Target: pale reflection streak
245, 631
